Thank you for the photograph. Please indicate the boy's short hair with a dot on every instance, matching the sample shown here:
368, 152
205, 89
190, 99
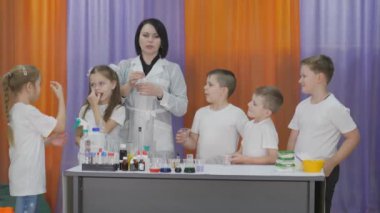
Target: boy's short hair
272, 96
225, 78
320, 64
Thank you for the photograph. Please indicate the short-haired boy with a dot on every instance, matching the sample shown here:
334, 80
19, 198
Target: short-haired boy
217, 127
320, 120
260, 139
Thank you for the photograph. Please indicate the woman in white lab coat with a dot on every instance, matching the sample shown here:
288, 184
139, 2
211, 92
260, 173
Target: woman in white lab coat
154, 88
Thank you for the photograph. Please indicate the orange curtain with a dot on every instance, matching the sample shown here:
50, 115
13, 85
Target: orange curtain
258, 40
34, 32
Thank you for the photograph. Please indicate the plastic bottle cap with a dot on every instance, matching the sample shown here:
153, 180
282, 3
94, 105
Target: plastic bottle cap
123, 146
96, 129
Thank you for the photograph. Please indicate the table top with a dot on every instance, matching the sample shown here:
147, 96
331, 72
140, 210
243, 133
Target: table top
211, 171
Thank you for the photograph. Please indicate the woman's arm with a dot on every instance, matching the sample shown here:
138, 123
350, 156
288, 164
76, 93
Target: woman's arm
175, 100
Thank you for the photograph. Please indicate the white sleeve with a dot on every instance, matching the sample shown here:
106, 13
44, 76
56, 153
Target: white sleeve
241, 122
118, 115
294, 123
341, 119
81, 111
42, 123
270, 138
196, 122
175, 99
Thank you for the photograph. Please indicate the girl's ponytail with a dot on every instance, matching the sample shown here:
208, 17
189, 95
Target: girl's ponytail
6, 92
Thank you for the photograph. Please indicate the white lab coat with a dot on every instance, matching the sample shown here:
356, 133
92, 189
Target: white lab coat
154, 116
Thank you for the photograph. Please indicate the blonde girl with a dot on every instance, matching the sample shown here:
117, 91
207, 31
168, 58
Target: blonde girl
29, 131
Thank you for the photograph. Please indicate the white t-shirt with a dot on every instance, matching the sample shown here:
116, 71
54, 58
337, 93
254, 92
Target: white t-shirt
117, 134
27, 154
258, 137
218, 131
320, 127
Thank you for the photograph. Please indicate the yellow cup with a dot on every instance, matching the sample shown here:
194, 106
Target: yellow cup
313, 165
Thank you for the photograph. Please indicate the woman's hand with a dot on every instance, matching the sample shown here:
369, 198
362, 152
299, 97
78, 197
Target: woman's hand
134, 76
149, 89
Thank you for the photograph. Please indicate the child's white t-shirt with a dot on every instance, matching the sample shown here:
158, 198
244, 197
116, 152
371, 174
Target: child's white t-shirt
218, 131
118, 134
27, 154
258, 137
320, 127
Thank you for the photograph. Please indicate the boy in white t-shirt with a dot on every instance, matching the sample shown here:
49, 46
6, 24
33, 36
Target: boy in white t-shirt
260, 139
320, 120
217, 127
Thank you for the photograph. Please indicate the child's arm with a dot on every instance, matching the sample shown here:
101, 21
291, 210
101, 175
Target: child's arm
270, 158
292, 139
61, 114
351, 140
56, 139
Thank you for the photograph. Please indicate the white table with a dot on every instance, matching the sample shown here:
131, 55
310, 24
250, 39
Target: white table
220, 188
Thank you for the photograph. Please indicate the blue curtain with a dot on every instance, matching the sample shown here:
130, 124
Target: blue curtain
349, 32
103, 32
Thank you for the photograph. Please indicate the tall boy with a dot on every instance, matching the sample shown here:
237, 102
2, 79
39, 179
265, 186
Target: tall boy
320, 120
216, 127
260, 139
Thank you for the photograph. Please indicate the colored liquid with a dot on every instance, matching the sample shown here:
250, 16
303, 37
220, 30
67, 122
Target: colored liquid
154, 170
166, 170
189, 170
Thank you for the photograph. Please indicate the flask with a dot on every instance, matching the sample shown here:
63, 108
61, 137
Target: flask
189, 164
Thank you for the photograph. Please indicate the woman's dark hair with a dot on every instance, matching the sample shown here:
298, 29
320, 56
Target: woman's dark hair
161, 31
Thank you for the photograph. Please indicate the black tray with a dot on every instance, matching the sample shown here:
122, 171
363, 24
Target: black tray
100, 167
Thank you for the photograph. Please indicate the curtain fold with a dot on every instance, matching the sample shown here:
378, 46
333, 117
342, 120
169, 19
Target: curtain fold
257, 40
34, 32
349, 32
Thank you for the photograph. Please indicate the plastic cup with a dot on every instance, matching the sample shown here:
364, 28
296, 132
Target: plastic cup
227, 159
313, 165
199, 165
184, 131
